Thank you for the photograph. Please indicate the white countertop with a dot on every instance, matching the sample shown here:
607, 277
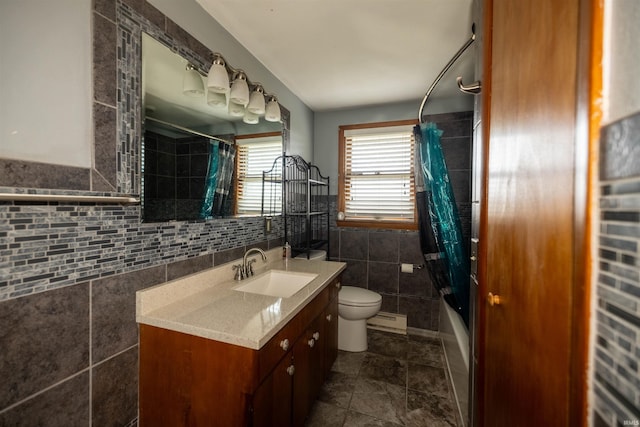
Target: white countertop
205, 305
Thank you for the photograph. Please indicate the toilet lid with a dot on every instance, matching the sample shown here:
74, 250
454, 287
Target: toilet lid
351, 295
313, 255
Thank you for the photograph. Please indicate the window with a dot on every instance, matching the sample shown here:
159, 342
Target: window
376, 182
255, 154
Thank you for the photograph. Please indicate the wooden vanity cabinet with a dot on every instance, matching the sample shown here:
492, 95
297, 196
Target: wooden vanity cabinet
312, 356
192, 381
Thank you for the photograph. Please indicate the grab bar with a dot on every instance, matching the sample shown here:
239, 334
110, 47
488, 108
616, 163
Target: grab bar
444, 71
24, 197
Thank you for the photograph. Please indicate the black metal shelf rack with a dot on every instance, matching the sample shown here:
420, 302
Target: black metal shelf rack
305, 201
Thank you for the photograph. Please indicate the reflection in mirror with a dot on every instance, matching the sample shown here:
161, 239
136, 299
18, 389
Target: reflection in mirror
257, 154
189, 160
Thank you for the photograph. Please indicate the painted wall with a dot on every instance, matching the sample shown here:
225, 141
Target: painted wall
325, 134
622, 63
46, 80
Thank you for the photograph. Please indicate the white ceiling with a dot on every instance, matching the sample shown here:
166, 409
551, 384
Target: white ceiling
350, 53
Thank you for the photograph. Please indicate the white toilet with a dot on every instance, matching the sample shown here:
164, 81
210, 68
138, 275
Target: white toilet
355, 306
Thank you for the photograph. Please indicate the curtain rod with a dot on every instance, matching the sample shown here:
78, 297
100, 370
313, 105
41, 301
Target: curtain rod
444, 71
184, 129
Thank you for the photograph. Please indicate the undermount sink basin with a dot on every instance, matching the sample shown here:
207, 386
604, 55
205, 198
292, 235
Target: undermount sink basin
276, 283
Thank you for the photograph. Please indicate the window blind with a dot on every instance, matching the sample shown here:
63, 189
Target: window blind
379, 182
254, 157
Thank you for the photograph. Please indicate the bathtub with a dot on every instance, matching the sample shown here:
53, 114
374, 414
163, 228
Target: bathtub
455, 341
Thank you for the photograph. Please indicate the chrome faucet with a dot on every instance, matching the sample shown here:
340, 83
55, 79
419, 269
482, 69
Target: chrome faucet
246, 268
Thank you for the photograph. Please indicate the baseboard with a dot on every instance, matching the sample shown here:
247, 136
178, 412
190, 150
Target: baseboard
389, 322
423, 333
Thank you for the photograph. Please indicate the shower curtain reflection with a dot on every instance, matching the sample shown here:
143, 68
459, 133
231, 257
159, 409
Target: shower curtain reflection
440, 228
218, 181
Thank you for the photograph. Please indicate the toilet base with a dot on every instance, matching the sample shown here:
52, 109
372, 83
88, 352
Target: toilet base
352, 335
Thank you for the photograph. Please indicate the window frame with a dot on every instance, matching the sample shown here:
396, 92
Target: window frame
365, 223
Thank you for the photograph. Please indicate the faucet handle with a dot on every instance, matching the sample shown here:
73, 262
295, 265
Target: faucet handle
239, 274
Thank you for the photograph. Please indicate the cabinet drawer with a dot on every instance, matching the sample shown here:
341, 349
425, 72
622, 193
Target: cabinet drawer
283, 341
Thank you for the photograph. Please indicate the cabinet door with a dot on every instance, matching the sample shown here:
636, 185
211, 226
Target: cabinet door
303, 377
330, 338
273, 399
318, 344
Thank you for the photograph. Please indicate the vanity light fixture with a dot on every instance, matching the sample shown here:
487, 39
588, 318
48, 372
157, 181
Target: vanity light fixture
256, 100
250, 118
235, 109
218, 78
192, 84
244, 98
216, 99
239, 89
272, 110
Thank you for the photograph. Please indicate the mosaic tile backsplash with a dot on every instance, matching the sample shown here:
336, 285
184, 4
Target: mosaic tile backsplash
48, 246
616, 382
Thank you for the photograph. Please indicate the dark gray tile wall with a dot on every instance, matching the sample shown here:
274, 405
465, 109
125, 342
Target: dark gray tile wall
45, 339
616, 378
174, 172
373, 256
65, 404
456, 140
114, 397
373, 260
13, 173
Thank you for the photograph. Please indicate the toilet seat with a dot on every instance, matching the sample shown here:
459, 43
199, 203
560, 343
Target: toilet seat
358, 297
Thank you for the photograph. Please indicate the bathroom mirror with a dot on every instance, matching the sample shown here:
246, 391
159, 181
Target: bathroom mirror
181, 132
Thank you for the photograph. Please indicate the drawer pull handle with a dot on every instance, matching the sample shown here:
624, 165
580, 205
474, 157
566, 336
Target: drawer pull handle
338, 285
328, 318
284, 344
316, 336
291, 370
311, 342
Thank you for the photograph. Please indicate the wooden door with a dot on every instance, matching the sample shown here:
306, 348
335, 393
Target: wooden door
528, 221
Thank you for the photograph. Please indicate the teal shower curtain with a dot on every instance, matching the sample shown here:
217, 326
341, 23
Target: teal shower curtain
218, 181
440, 228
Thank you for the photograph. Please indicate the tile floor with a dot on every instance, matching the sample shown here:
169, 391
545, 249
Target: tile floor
399, 381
